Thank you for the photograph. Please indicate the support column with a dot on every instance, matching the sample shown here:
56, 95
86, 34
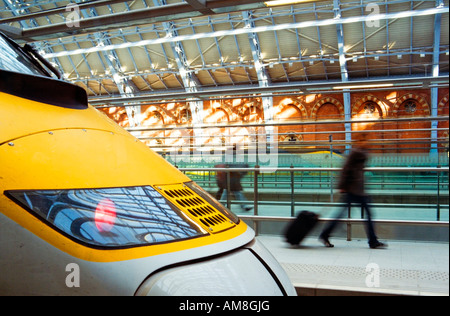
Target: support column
434, 91
344, 72
189, 81
263, 77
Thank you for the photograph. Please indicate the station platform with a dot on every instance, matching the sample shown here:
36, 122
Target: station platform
351, 268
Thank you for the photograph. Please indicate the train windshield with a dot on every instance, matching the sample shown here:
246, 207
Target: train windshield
13, 58
111, 217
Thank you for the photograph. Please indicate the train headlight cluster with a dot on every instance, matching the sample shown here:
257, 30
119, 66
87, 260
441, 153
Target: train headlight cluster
110, 217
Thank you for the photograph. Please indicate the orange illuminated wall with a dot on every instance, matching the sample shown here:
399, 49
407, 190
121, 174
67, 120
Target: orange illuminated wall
317, 107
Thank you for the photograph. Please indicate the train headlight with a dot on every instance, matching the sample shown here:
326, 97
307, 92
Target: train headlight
110, 217
105, 215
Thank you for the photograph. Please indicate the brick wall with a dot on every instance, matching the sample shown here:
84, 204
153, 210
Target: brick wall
364, 106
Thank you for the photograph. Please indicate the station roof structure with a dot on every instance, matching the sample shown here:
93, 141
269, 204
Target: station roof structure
147, 48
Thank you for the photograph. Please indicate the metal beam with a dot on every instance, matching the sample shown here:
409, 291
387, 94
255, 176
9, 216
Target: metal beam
200, 5
259, 29
125, 86
190, 82
344, 70
138, 17
434, 91
261, 72
58, 10
302, 87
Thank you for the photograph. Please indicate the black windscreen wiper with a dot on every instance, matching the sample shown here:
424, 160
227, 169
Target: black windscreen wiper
33, 56
37, 59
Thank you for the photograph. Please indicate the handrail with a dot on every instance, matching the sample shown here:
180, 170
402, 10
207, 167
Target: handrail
325, 169
292, 170
340, 204
437, 129
347, 221
285, 123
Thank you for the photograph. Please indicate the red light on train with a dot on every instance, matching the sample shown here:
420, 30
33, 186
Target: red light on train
105, 215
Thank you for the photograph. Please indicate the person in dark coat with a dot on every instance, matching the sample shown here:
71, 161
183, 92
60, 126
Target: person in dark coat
235, 185
352, 186
221, 178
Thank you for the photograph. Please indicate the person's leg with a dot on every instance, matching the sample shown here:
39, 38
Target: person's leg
371, 235
219, 194
326, 233
241, 197
369, 223
224, 195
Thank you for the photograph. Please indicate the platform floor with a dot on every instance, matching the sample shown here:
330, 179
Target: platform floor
352, 268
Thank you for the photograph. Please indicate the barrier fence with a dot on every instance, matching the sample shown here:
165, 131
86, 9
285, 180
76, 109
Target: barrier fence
437, 197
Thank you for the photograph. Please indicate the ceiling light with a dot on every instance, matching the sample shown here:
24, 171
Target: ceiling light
285, 2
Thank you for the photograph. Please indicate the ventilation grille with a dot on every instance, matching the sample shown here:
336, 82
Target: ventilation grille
196, 208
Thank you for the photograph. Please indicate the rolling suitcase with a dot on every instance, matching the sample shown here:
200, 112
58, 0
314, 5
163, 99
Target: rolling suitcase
300, 227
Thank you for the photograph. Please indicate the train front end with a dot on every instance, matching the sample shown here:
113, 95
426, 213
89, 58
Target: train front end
87, 209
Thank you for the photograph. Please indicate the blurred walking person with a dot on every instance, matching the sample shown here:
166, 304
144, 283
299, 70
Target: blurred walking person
352, 187
221, 178
235, 185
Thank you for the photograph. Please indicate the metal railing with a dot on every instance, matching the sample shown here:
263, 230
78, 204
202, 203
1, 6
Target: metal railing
347, 221
425, 134
256, 173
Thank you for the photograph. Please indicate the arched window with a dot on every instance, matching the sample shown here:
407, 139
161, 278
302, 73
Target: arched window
156, 118
291, 137
185, 116
370, 108
409, 106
